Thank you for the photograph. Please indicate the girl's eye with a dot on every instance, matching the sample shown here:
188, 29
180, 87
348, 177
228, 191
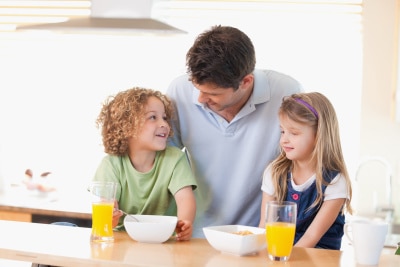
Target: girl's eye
153, 117
165, 118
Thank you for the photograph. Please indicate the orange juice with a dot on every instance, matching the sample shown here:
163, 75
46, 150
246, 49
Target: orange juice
102, 221
280, 237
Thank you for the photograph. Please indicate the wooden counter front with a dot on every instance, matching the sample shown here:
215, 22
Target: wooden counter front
19, 204
71, 246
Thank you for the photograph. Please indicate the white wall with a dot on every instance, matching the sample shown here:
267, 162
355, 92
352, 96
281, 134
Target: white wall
51, 93
380, 134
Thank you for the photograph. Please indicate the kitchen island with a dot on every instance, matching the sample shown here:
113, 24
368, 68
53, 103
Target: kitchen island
71, 246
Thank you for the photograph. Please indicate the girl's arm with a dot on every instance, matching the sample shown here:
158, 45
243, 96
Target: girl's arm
265, 199
321, 223
186, 204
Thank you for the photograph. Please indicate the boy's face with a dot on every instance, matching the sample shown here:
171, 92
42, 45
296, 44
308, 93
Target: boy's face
155, 129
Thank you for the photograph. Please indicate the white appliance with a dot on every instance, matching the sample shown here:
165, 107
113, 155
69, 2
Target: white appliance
112, 16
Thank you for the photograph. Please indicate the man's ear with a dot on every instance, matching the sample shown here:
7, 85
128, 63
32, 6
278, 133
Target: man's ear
248, 81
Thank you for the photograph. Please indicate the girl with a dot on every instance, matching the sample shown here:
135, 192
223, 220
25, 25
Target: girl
310, 171
151, 176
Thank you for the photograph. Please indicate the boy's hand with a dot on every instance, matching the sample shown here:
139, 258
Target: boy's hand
183, 230
116, 214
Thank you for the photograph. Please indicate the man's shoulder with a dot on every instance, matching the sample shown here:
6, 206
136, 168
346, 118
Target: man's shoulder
179, 81
276, 76
181, 78
271, 82
180, 87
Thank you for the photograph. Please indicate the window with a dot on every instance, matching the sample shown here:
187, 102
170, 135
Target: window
52, 85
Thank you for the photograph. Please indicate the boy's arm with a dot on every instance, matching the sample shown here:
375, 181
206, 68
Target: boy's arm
186, 204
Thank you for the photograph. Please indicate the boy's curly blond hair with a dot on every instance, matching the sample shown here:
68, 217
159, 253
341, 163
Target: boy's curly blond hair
122, 117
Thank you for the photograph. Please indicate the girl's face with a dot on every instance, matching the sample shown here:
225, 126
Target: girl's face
155, 129
297, 139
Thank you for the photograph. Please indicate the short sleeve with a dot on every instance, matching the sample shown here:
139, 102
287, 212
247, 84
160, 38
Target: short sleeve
182, 174
267, 186
337, 188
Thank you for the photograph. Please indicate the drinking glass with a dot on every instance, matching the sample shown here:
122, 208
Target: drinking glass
103, 196
280, 225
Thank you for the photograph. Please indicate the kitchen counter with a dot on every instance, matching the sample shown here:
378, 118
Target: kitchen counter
71, 246
21, 204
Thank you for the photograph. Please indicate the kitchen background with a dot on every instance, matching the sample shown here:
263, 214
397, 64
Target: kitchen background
52, 84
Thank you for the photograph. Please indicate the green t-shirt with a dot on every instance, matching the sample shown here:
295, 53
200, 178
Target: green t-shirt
151, 192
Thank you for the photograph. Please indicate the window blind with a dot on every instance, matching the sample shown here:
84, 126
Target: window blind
19, 13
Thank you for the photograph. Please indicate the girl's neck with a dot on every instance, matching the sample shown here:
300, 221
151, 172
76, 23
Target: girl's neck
301, 172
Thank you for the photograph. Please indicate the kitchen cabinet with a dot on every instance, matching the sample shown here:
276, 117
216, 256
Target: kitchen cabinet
15, 216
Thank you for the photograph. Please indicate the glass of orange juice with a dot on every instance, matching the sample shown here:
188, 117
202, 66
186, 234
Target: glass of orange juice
103, 196
280, 225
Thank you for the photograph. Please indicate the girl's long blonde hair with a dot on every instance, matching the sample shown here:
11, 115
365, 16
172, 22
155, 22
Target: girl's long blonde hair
315, 110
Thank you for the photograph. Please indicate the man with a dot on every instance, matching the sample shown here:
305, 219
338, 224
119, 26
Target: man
227, 120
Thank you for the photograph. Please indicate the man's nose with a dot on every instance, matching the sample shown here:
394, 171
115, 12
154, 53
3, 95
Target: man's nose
202, 98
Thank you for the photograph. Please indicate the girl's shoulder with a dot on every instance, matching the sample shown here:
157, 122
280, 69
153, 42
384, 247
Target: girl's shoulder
338, 181
330, 175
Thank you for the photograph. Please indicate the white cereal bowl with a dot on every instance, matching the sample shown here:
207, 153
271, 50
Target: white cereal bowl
226, 239
150, 228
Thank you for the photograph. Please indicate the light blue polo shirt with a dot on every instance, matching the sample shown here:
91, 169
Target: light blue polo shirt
228, 159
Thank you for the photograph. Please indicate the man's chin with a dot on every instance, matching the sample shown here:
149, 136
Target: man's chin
214, 107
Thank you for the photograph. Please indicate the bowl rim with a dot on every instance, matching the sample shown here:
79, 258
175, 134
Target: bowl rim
237, 227
241, 245
134, 230
168, 218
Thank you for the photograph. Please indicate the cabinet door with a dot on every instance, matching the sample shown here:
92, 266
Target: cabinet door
15, 216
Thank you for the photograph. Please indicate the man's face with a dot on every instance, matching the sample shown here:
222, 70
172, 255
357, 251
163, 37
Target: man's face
219, 99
